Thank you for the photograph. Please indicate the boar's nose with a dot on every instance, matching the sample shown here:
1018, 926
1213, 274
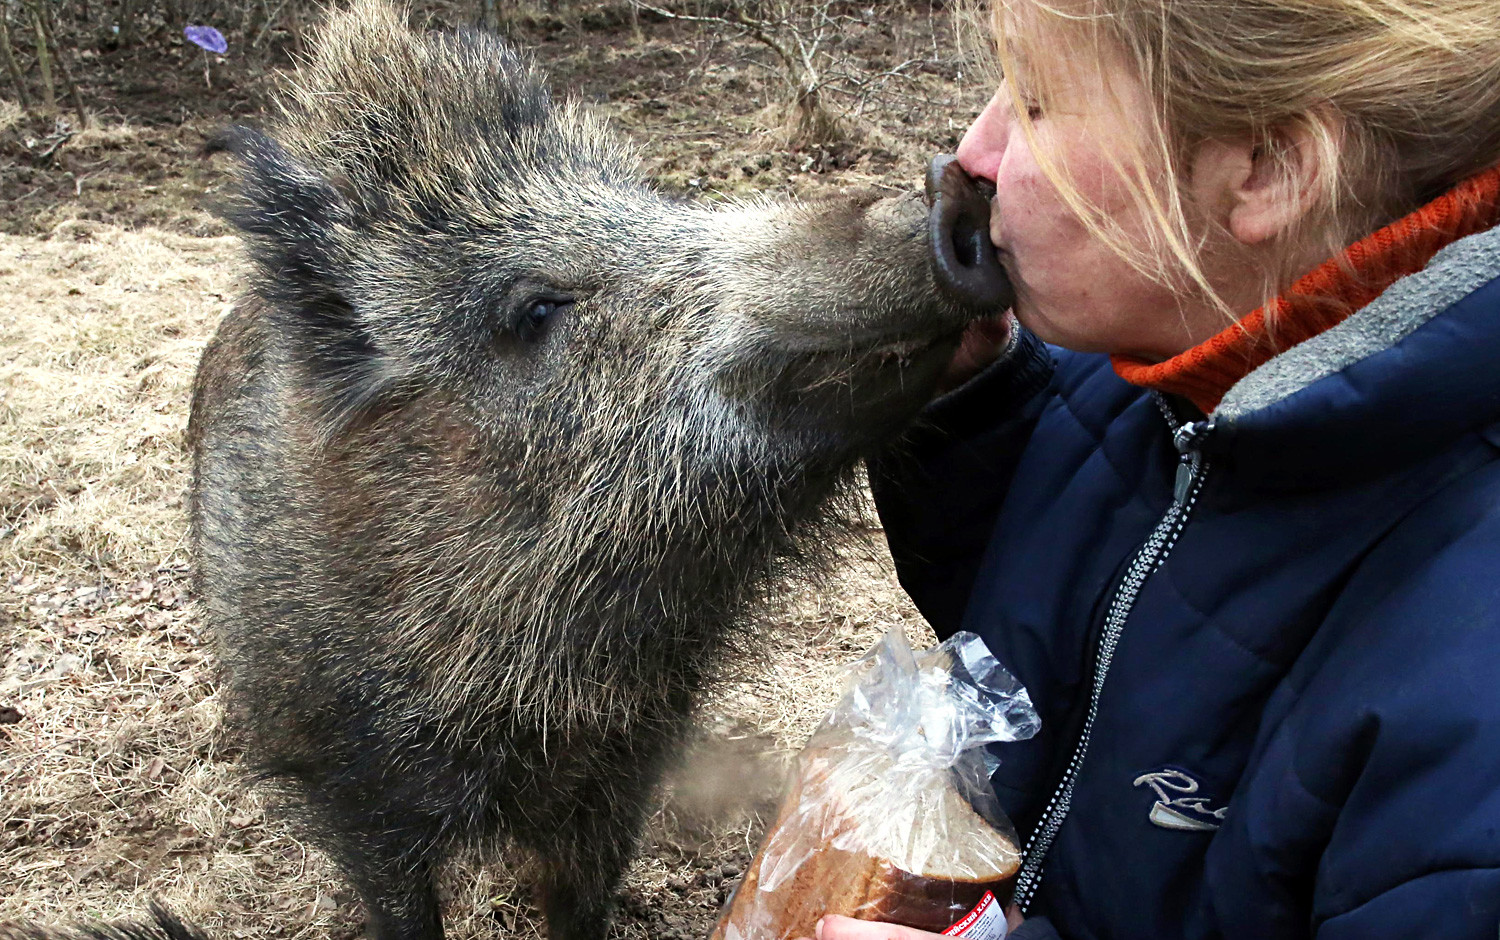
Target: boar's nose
964, 263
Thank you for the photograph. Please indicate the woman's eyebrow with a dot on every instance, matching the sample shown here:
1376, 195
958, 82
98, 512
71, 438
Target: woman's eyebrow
1016, 57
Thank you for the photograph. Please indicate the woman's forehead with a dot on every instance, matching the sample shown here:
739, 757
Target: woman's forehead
1066, 55
1045, 36
1047, 15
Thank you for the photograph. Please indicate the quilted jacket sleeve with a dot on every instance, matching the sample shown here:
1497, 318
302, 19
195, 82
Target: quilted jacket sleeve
1035, 928
1415, 848
939, 488
1458, 903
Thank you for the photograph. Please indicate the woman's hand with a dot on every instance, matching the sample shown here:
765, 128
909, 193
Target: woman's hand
834, 927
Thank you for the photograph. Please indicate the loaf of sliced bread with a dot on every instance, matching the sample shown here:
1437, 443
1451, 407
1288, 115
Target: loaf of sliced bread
861, 836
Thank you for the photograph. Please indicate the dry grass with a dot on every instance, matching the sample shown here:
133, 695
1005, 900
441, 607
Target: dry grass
102, 135
10, 115
96, 352
115, 781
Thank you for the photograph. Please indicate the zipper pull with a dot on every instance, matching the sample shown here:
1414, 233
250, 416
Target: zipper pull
1186, 439
1187, 470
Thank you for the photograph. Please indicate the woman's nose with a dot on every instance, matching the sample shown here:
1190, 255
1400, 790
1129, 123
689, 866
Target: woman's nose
983, 146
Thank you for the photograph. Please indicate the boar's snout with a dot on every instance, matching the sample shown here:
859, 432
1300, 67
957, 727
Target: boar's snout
834, 333
964, 264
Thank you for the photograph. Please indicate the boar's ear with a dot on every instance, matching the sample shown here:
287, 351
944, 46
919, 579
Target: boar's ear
290, 216
297, 226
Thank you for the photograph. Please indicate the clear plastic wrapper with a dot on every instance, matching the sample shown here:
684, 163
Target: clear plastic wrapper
890, 815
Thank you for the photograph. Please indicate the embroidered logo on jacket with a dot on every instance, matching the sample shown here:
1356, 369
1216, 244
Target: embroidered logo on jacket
1176, 807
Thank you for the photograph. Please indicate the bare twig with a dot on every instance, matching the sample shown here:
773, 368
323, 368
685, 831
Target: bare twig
741, 24
43, 61
798, 34
127, 21
10, 62
45, 21
272, 18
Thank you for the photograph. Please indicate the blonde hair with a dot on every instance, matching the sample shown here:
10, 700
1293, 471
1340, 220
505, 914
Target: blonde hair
1400, 99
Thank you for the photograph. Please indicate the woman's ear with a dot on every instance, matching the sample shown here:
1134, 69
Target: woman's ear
1264, 186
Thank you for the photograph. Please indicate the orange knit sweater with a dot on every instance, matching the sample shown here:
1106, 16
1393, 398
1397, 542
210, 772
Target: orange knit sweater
1322, 298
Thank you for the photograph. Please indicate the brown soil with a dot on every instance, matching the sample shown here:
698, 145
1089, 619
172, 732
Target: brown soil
116, 783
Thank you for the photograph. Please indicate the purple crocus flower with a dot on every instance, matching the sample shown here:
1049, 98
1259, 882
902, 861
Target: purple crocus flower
206, 37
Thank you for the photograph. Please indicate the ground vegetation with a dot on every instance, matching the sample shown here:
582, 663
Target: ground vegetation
116, 783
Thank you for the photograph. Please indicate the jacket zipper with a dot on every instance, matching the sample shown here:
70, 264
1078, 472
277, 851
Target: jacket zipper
1192, 470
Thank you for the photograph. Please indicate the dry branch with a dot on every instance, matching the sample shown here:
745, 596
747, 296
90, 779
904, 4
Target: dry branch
10, 63
797, 33
44, 22
43, 62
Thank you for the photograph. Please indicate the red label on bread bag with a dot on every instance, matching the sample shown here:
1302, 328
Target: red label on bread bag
985, 922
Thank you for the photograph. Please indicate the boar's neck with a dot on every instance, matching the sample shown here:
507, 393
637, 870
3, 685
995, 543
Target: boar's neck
570, 604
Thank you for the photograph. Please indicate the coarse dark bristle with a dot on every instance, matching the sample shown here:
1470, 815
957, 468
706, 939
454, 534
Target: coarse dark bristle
163, 925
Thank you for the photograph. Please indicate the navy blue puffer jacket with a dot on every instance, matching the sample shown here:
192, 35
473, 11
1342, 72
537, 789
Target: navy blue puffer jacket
1265, 646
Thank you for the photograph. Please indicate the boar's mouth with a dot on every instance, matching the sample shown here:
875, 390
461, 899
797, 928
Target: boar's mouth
854, 347
846, 392
898, 353
817, 359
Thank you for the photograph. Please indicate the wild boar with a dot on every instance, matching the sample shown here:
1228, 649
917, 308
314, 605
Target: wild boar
499, 452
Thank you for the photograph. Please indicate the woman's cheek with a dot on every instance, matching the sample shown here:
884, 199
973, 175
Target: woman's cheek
1026, 201
1035, 232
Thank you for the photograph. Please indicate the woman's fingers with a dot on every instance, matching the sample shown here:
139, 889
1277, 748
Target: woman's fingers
835, 927
1013, 918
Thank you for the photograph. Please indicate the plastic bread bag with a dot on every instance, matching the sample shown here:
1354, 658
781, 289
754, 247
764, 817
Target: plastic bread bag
890, 815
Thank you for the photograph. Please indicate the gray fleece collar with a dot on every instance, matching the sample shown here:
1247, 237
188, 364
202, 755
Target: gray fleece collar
1454, 273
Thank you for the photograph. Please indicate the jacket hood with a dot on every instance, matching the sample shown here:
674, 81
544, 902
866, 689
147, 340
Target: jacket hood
1410, 372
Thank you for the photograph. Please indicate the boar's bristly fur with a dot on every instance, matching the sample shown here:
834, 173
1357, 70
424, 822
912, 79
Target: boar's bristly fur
495, 458
163, 925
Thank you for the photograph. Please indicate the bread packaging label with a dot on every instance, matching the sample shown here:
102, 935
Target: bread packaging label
985, 922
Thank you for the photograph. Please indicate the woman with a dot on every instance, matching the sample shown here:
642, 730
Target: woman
1249, 569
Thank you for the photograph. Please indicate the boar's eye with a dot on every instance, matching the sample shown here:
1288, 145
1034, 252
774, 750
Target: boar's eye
536, 313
